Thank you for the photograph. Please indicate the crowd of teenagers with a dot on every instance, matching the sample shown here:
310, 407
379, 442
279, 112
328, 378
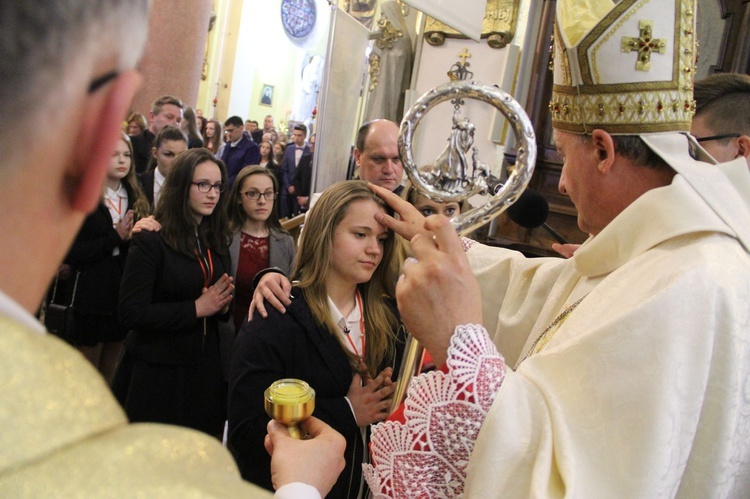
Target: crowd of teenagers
163, 273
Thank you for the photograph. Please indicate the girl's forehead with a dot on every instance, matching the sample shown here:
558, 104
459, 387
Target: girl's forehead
258, 179
361, 212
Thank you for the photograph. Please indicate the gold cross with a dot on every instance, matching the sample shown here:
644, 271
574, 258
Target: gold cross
464, 55
645, 45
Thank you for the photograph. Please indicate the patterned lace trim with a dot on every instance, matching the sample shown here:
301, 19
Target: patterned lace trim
467, 243
257, 248
427, 455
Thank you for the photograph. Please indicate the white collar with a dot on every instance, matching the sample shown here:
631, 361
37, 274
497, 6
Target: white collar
15, 312
350, 331
656, 216
725, 187
352, 319
121, 192
158, 177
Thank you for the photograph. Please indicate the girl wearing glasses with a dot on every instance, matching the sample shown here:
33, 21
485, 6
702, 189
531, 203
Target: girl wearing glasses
175, 290
259, 241
340, 334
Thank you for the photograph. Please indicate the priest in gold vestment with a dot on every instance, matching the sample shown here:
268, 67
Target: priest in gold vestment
62, 434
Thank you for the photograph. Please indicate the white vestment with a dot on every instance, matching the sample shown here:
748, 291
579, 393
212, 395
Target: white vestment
642, 391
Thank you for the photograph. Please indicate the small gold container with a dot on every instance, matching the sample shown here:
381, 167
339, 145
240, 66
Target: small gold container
290, 401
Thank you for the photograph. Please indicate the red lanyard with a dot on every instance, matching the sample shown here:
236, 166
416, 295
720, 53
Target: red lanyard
207, 266
118, 208
361, 329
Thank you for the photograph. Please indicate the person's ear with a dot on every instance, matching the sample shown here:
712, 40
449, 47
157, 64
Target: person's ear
357, 154
605, 149
98, 132
743, 147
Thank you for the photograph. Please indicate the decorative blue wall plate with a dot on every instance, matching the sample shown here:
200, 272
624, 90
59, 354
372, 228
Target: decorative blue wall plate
298, 17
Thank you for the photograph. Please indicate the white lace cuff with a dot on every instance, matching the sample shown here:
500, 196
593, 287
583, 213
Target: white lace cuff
427, 455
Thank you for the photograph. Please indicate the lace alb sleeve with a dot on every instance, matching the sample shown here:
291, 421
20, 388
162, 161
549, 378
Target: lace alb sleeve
427, 456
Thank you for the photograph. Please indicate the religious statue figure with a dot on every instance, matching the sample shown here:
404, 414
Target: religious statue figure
306, 91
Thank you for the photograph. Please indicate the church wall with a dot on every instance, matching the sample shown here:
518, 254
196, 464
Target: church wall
256, 51
220, 57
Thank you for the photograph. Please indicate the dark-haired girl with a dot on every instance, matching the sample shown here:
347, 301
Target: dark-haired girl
175, 290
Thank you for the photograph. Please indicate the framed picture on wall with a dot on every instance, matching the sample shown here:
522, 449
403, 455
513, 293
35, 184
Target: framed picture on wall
266, 97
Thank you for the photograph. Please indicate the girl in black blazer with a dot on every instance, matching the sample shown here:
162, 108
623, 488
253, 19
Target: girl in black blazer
98, 257
339, 334
175, 290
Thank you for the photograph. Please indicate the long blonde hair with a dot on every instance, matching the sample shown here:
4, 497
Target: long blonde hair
214, 143
139, 204
314, 262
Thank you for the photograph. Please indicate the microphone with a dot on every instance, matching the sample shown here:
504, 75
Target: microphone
530, 211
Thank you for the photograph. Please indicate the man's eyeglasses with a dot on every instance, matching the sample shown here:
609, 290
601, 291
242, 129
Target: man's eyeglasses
229, 130
693, 141
255, 195
206, 186
100, 81
717, 137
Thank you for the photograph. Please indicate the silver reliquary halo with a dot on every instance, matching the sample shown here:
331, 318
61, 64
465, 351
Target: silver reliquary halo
455, 178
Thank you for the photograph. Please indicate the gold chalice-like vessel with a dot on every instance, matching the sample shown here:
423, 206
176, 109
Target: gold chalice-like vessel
290, 401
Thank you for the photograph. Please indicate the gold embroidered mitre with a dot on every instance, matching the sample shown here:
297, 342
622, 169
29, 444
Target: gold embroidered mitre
626, 68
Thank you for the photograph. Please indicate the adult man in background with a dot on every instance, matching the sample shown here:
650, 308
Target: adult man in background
166, 110
628, 380
240, 150
376, 155
722, 116
268, 125
303, 177
62, 432
288, 206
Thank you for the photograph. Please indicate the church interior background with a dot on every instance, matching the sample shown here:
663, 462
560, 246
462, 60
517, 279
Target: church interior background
359, 60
